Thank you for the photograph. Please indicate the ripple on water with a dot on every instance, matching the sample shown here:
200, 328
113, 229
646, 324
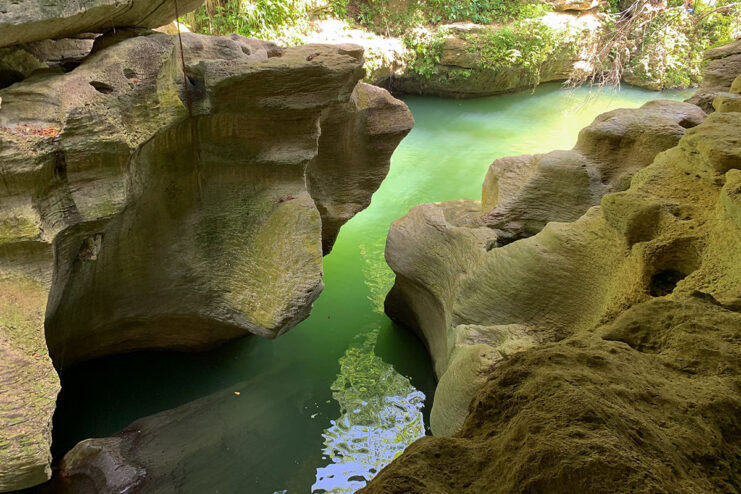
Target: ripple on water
381, 414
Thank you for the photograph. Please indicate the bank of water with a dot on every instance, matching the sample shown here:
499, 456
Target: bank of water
324, 407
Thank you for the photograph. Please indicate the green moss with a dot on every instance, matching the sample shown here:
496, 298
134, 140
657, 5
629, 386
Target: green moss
22, 307
17, 228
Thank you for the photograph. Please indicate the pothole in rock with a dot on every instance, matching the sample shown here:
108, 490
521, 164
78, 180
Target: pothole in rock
664, 282
102, 87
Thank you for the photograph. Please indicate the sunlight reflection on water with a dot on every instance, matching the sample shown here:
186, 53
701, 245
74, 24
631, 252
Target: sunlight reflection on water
381, 414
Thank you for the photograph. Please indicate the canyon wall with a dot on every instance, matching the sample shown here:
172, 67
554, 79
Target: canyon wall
146, 208
587, 340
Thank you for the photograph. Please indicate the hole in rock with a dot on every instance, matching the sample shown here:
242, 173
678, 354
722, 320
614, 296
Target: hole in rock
688, 123
102, 87
9, 77
128, 73
671, 263
664, 282
90, 247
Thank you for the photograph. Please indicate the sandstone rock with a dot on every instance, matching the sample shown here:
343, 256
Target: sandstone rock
23, 21
624, 329
28, 381
722, 66
66, 53
630, 409
521, 194
148, 229
355, 148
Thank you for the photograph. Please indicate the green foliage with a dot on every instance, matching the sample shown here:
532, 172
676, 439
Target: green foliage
426, 49
671, 44
526, 44
394, 17
267, 19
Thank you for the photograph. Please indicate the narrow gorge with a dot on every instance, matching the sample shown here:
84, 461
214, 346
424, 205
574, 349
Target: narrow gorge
280, 254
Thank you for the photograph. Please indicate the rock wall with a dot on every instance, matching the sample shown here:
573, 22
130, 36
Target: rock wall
597, 355
149, 228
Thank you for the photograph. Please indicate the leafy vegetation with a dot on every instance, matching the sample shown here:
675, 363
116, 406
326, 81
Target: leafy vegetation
425, 50
658, 44
525, 44
395, 17
661, 45
281, 20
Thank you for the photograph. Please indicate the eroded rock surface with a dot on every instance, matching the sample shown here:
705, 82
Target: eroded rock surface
22, 21
598, 353
150, 229
522, 193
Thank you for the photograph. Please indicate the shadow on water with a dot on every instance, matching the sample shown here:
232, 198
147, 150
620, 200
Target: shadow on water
330, 402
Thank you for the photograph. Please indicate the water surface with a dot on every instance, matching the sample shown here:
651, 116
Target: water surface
324, 407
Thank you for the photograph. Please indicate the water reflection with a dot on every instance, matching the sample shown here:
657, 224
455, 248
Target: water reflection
381, 414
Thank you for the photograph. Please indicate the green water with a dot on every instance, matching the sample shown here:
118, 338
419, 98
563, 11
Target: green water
336, 398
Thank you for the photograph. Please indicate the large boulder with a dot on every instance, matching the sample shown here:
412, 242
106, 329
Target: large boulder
22, 21
595, 353
126, 224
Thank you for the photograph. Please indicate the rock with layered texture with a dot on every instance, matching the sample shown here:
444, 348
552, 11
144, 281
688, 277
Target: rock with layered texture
722, 66
607, 348
23, 21
522, 193
149, 229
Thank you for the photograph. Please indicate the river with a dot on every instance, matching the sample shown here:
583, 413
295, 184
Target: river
324, 407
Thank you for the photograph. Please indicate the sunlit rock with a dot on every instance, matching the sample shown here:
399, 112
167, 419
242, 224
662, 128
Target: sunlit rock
602, 352
722, 66
522, 193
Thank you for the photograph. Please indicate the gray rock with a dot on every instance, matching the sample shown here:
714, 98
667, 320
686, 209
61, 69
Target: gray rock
22, 21
521, 194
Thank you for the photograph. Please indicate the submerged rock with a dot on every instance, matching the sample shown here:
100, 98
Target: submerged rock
152, 229
598, 353
208, 445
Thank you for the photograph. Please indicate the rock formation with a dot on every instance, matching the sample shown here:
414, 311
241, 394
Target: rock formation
722, 65
149, 228
596, 355
189, 448
522, 193
22, 21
